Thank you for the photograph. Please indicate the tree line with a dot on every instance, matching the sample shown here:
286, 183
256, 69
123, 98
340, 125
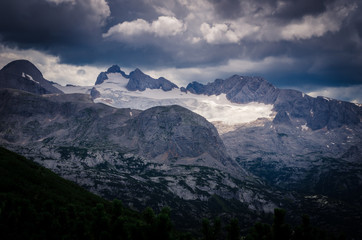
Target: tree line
20, 219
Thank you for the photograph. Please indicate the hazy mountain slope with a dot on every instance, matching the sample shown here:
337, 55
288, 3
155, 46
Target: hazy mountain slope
23, 75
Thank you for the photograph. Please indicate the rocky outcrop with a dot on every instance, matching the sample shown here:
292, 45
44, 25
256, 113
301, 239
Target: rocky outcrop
113, 69
101, 78
95, 93
25, 76
176, 132
282, 118
140, 81
117, 69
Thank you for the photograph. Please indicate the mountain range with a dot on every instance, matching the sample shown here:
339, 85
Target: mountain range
237, 147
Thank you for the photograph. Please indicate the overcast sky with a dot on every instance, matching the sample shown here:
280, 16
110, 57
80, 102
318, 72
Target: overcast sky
310, 45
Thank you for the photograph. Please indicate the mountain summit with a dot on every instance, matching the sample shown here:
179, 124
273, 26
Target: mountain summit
140, 81
23, 75
137, 80
113, 69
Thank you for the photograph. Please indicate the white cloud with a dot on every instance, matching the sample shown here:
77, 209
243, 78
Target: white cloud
133, 28
351, 94
164, 26
167, 26
51, 67
218, 33
227, 33
317, 26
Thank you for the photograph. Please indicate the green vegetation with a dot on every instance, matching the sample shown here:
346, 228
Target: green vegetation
35, 203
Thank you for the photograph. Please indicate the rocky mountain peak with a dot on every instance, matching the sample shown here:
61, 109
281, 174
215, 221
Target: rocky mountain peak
22, 66
24, 75
140, 81
113, 69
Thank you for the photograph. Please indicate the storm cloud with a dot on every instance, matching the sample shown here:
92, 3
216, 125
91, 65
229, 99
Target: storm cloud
302, 44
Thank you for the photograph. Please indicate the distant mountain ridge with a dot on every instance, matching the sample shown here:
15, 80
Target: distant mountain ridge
23, 75
238, 89
137, 80
295, 106
318, 112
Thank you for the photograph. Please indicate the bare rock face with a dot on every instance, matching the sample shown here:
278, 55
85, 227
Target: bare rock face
95, 93
176, 132
101, 78
282, 118
140, 81
23, 75
113, 69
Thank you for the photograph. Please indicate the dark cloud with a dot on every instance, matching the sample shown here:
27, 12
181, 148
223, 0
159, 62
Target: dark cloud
227, 8
42, 24
128, 10
283, 10
294, 9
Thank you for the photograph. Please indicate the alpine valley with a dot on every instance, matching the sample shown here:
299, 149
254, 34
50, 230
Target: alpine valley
235, 147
